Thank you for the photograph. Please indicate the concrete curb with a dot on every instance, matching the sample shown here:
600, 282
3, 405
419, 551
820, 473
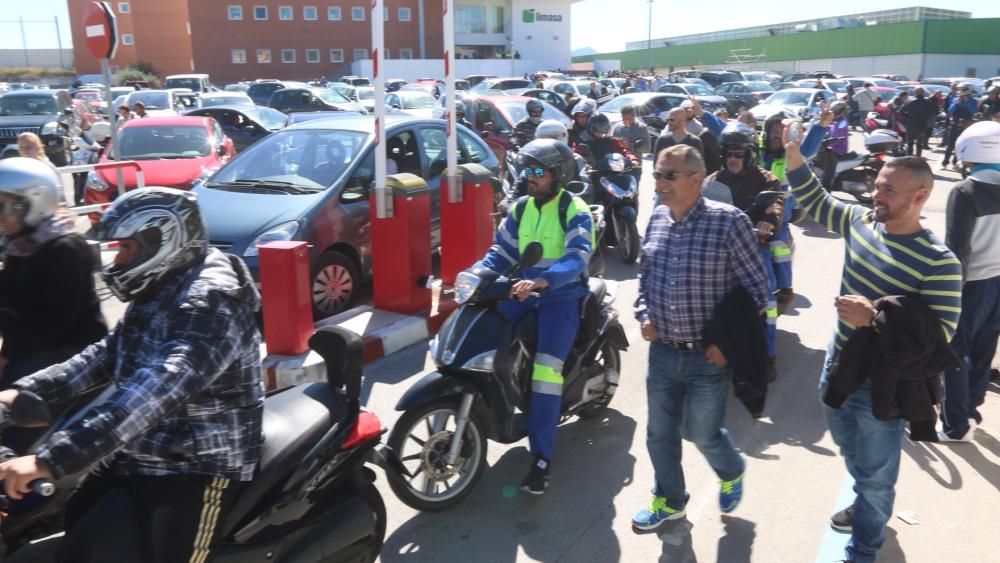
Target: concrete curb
383, 333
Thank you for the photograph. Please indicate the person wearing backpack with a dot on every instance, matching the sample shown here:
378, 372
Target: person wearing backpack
553, 287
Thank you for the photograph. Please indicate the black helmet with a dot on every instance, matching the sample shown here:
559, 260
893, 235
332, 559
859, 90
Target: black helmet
549, 154
534, 105
168, 228
598, 123
735, 140
460, 109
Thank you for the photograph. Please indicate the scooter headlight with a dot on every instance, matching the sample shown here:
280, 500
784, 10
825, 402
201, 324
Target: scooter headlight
483, 362
466, 284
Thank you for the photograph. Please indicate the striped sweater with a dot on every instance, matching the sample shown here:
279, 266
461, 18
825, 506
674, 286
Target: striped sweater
877, 263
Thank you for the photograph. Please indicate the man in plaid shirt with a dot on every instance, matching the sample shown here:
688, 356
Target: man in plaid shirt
694, 253
184, 421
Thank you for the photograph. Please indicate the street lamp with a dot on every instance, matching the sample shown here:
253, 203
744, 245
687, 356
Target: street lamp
649, 40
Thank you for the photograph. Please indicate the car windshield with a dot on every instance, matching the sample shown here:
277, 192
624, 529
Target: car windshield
330, 96
366, 93
270, 118
515, 111
192, 83
789, 98
152, 100
311, 159
226, 101
416, 100
699, 90
162, 141
28, 105
760, 87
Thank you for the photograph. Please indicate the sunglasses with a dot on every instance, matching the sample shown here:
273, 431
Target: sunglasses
538, 172
536, 113
669, 175
10, 207
735, 154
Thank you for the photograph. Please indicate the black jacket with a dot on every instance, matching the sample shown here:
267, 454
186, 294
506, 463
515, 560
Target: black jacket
918, 113
48, 301
903, 360
737, 328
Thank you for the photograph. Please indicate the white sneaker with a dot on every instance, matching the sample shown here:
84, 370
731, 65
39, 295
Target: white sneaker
967, 437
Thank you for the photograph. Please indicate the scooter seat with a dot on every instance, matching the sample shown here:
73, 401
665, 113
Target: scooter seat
598, 289
294, 420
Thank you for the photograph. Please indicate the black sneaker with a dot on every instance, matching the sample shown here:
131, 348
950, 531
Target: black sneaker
538, 477
843, 520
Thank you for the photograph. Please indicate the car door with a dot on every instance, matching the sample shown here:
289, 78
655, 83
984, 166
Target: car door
551, 97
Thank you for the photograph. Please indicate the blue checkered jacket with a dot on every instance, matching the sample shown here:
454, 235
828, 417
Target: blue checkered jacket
186, 366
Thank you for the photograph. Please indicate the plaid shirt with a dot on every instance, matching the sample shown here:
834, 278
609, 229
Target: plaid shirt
186, 364
689, 265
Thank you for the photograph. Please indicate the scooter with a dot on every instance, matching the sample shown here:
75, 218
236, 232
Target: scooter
312, 499
856, 172
619, 191
436, 452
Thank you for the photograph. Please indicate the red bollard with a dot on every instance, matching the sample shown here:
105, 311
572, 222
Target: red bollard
466, 225
401, 246
287, 305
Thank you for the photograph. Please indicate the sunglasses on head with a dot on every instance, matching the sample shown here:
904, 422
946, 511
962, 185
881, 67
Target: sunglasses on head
670, 175
537, 171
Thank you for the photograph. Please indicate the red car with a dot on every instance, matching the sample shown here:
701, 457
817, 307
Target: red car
173, 152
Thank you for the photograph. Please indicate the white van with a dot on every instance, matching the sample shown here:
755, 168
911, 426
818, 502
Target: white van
194, 82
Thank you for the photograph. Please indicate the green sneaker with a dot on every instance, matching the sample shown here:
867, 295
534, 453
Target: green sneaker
730, 494
655, 515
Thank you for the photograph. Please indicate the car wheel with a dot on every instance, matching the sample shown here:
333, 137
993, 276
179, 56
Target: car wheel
335, 284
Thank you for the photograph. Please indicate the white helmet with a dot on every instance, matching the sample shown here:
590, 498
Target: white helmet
551, 129
979, 143
34, 184
100, 131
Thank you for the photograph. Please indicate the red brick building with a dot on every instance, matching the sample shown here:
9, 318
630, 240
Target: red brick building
245, 39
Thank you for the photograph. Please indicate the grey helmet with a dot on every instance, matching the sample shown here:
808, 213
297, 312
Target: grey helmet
35, 186
586, 106
598, 123
534, 104
169, 230
552, 155
552, 129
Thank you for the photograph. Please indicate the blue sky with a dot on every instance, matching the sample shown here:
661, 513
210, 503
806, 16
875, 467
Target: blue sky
604, 25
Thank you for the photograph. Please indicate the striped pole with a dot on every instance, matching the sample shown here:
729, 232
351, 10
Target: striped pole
382, 206
454, 190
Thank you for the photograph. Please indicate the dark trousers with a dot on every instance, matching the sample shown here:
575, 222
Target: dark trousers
918, 137
144, 519
975, 343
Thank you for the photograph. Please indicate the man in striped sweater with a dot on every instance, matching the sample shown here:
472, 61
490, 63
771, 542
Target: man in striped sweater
887, 252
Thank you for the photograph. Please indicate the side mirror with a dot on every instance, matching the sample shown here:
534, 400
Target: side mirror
29, 409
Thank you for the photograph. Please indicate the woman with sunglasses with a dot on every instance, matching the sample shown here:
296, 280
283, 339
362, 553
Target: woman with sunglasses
49, 308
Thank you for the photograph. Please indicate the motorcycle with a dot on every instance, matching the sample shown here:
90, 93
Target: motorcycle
856, 172
881, 118
480, 390
619, 195
311, 499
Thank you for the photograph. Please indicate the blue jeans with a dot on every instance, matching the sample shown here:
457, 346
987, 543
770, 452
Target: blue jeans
687, 398
871, 450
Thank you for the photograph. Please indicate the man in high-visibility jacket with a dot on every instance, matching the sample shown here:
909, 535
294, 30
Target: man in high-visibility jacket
562, 224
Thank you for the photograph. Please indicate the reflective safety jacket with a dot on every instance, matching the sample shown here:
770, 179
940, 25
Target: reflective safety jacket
567, 244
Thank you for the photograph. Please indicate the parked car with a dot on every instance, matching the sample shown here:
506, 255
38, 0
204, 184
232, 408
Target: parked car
859, 83
837, 85
615, 85
173, 152
95, 97
557, 101
238, 87
761, 76
245, 125
576, 88
743, 95
211, 99
355, 80
260, 91
310, 182
391, 84
494, 117
505, 84
650, 108
432, 88
414, 102
797, 102
193, 82
290, 100
47, 113
87, 114
160, 103
474, 79
708, 98
929, 88
713, 77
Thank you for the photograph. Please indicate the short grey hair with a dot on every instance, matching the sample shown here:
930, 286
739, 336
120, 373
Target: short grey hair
693, 161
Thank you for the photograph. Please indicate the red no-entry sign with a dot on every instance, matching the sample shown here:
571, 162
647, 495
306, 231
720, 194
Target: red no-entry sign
100, 30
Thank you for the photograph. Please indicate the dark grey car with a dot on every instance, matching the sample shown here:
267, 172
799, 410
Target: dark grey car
310, 182
744, 95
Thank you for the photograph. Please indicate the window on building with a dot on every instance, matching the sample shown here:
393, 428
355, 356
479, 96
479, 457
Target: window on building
385, 54
358, 14
260, 13
336, 55
385, 14
128, 39
309, 13
470, 19
406, 53
285, 13
238, 56
288, 55
263, 56
333, 13
235, 12
405, 14
360, 54
312, 55
499, 19
123, 8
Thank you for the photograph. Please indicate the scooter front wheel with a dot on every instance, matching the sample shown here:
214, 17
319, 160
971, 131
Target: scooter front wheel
422, 439
627, 234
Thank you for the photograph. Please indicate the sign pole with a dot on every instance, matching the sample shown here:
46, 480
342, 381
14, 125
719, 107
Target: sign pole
454, 190
382, 195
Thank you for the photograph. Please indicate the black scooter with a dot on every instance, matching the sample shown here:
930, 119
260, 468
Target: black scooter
311, 500
617, 190
437, 450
